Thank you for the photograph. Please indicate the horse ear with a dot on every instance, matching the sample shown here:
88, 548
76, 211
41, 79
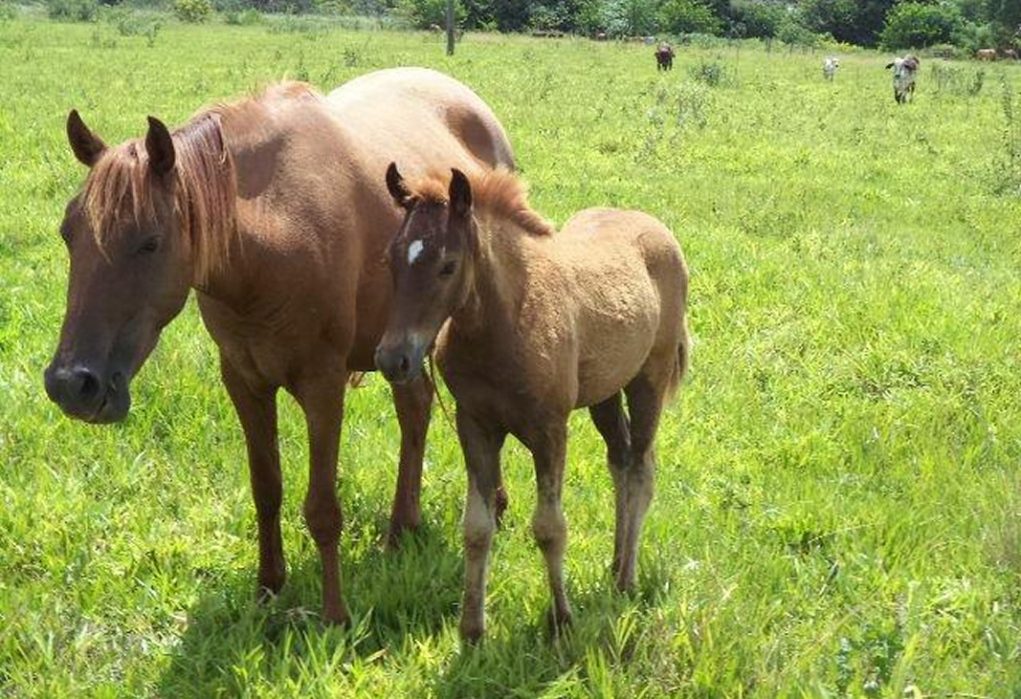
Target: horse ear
86, 145
160, 147
395, 184
460, 193
889, 65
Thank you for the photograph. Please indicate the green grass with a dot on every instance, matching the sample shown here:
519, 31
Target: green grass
839, 499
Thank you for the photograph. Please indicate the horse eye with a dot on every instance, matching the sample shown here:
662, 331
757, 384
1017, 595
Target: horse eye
448, 268
150, 245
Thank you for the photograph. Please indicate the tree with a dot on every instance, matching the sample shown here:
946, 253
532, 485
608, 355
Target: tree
689, 17
914, 25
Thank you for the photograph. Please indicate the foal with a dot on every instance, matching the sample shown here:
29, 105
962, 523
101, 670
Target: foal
541, 323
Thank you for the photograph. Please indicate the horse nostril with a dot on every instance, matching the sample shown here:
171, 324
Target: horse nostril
405, 364
85, 382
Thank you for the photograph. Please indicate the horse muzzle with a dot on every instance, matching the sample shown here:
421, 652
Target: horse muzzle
401, 362
88, 395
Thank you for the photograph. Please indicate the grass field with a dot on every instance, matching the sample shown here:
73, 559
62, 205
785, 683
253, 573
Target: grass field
839, 495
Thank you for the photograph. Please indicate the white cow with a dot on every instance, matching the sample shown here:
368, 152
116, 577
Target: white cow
904, 70
829, 67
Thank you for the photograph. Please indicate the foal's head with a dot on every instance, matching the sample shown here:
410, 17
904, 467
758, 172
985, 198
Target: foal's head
131, 265
431, 259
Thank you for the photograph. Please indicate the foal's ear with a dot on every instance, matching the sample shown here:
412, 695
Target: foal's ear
889, 65
460, 193
395, 184
160, 147
86, 145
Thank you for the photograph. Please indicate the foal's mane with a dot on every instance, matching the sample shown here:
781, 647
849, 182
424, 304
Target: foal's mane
121, 184
496, 193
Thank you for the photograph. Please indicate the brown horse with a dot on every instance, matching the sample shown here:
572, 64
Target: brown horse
275, 211
541, 323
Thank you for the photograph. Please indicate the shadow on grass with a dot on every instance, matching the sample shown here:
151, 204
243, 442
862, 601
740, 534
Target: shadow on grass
521, 658
233, 643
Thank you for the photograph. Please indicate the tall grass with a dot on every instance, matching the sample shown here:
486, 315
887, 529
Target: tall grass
838, 494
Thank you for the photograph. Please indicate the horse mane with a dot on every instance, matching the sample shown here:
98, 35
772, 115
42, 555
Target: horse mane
496, 193
120, 184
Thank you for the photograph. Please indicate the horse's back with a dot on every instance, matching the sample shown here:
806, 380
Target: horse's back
630, 283
428, 115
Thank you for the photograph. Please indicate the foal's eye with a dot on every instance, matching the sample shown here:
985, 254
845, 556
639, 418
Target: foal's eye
448, 268
150, 245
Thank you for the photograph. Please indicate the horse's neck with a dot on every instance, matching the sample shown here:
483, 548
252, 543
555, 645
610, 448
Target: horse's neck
498, 286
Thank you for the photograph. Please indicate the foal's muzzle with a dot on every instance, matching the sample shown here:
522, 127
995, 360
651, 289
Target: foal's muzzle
402, 361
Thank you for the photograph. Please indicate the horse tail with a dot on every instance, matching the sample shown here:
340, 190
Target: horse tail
682, 362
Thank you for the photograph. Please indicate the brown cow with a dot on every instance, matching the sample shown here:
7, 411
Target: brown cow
986, 54
665, 57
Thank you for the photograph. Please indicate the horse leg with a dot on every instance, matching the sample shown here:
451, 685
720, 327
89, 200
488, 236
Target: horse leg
548, 523
413, 402
481, 445
611, 421
645, 397
257, 411
322, 399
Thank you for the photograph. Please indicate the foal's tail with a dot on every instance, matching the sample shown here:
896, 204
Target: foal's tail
683, 359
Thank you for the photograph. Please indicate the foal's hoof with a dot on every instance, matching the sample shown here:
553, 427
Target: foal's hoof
558, 622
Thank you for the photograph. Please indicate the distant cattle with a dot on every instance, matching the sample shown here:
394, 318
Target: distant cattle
664, 57
600, 36
1010, 53
904, 70
986, 54
829, 67
435, 28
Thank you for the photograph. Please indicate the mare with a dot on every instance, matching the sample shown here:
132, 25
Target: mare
274, 210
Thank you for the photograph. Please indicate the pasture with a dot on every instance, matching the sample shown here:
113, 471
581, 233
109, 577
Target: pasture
838, 505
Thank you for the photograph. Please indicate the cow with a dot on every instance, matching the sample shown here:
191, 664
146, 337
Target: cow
904, 70
1010, 53
829, 67
664, 57
986, 54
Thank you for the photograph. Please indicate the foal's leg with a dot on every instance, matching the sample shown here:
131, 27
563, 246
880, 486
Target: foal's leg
322, 398
645, 397
612, 424
481, 445
413, 402
257, 411
548, 523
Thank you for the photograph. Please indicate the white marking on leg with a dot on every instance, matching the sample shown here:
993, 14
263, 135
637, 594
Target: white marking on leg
414, 250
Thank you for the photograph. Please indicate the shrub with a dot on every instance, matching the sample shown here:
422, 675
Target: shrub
72, 10
688, 16
711, 73
246, 18
193, 11
422, 13
913, 25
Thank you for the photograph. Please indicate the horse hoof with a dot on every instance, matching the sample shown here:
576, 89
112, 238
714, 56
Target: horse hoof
559, 622
472, 632
397, 532
337, 617
269, 587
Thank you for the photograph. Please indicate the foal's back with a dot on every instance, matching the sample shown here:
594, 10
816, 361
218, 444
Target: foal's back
626, 291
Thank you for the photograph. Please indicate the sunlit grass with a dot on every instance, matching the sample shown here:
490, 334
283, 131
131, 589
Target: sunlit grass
838, 506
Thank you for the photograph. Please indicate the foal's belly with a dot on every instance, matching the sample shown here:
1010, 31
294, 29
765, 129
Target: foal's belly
611, 354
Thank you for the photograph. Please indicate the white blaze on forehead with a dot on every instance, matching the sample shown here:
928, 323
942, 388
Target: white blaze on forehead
414, 250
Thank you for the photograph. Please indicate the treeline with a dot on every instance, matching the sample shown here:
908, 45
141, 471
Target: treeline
961, 25
969, 24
